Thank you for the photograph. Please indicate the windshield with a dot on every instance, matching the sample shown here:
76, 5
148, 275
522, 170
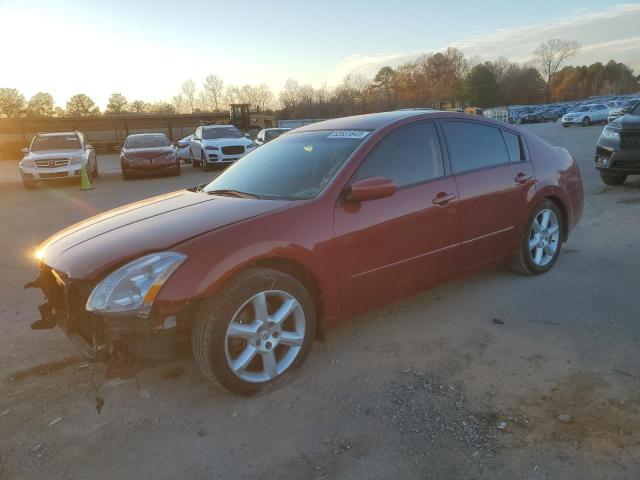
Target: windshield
224, 132
296, 166
147, 141
582, 109
56, 142
636, 110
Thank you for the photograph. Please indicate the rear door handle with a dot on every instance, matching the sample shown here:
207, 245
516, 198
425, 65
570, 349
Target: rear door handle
522, 178
443, 198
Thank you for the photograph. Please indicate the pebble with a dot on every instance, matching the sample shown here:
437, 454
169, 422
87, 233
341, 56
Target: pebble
54, 421
565, 418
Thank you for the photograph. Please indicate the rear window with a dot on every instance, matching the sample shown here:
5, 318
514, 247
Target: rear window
55, 142
474, 146
147, 141
514, 147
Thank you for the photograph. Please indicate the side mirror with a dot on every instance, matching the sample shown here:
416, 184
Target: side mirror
370, 189
25, 150
247, 135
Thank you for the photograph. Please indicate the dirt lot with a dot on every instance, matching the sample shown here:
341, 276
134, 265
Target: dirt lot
493, 376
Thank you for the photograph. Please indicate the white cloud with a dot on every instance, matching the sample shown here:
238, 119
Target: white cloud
603, 35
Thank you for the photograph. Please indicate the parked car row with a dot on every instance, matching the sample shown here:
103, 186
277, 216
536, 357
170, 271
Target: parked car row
64, 154
555, 111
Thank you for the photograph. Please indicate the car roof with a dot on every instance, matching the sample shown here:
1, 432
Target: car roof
207, 127
55, 134
146, 134
370, 121
275, 128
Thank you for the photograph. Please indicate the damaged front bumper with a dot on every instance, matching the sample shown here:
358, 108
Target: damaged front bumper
106, 339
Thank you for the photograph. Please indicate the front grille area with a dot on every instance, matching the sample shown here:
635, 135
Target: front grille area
233, 150
52, 163
630, 141
68, 298
54, 175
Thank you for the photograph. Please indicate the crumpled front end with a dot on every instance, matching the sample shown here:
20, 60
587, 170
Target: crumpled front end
116, 341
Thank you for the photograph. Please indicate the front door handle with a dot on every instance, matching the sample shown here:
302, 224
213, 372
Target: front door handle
522, 178
443, 198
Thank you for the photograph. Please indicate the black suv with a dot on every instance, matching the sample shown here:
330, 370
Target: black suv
618, 149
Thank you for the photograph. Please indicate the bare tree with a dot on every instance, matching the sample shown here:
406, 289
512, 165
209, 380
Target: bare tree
549, 56
189, 93
178, 103
213, 90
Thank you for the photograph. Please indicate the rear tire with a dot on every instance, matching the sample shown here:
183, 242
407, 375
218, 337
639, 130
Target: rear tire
217, 348
548, 240
126, 175
612, 178
177, 170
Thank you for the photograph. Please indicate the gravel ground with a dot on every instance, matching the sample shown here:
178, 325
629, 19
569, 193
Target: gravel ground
492, 376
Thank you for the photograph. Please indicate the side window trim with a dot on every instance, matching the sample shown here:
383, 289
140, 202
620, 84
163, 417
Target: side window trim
523, 144
443, 155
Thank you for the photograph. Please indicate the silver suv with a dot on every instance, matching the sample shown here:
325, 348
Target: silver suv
57, 155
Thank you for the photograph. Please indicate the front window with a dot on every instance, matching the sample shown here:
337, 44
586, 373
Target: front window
224, 132
55, 142
297, 166
636, 110
147, 141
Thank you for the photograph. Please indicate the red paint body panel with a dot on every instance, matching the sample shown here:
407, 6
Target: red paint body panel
358, 255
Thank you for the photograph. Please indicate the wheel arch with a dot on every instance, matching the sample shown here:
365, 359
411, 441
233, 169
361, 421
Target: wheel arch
302, 274
563, 211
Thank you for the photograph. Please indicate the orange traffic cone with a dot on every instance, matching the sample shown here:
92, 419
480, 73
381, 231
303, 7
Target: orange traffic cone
85, 181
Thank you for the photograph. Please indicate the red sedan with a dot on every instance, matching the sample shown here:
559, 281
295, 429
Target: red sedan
148, 153
325, 222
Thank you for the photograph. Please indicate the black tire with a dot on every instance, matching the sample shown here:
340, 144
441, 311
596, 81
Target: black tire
29, 184
194, 163
523, 263
612, 178
203, 161
565, 125
96, 172
177, 170
126, 175
215, 314
586, 121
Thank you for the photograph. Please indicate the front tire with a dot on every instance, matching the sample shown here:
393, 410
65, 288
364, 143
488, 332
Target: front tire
612, 178
586, 121
193, 162
257, 328
204, 162
29, 184
541, 242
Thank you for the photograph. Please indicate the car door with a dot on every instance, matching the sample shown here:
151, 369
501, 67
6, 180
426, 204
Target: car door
392, 246
600, 112
194, 146
493, 178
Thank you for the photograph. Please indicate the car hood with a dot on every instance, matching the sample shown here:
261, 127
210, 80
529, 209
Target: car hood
44, 154
627, 122
88, 249
226, 142
147, 152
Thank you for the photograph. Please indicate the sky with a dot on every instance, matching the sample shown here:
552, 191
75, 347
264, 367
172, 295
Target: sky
145, 50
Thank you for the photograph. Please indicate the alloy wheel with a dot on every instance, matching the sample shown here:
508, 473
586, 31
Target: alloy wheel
265, 336
544, 237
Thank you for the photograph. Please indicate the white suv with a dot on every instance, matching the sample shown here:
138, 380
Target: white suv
218, 145
57, 155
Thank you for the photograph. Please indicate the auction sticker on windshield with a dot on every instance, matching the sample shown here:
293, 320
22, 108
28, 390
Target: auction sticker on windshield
348, 134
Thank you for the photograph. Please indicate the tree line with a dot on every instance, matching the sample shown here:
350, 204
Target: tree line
447, 77
213, 96
430, 80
